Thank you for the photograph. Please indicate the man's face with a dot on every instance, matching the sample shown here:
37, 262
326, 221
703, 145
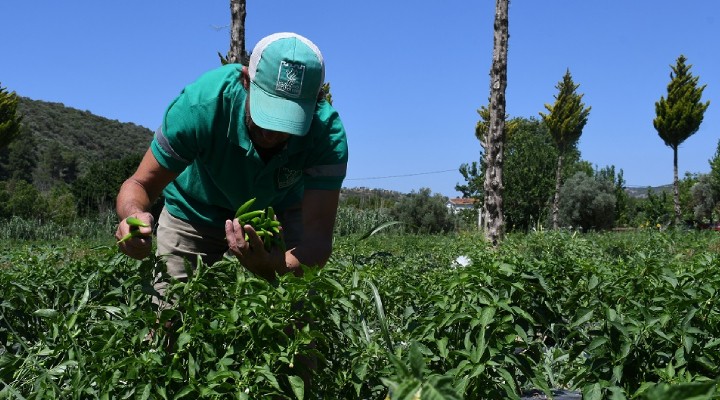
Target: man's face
261, 137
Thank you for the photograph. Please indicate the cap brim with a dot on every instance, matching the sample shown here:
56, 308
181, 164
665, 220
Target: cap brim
280, 114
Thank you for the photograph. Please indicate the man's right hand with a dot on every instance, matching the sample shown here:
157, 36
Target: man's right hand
139, 245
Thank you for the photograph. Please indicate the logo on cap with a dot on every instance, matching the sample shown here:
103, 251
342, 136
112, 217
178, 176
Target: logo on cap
290, 78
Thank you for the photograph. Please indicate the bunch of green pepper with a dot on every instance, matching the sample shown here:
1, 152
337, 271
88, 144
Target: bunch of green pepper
264, 222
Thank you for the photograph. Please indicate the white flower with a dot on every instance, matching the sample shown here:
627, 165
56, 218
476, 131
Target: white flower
461, 261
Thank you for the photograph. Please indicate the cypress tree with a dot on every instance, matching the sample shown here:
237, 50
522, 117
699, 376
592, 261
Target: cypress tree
679, 116
565, 120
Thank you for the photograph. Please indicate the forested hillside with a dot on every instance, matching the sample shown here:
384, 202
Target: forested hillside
66, 162
80, 133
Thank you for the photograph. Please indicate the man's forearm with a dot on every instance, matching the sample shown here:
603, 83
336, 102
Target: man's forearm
132, 199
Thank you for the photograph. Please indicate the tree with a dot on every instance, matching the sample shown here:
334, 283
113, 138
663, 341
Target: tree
657, 209
621, 196
237, 53
530, 159
424, 211
703, 199
23, 200
679, 116
97, 189
494, 137
565, 120
9, 117
56, 166
472, 173
714, 175
61, 205
529, 165
588, 202
326, 92
687, 202
20, 158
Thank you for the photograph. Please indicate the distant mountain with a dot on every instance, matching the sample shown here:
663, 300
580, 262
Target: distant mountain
87, 136
642, 192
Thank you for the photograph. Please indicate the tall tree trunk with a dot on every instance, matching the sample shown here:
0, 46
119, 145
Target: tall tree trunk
556, 199
237, 54
676, 187
494, 142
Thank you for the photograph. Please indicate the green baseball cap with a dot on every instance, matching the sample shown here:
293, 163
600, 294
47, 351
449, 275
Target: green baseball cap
286, 74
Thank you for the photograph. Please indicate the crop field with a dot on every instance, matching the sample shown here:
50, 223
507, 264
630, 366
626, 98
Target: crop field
612, 316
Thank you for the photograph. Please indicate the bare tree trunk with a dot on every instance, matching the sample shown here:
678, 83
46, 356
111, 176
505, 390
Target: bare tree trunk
495, 140
558, 185
237, 54
676, 188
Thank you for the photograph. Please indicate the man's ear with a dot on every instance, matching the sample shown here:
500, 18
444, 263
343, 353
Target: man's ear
245, 77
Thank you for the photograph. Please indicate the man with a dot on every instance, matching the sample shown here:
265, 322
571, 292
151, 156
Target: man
262, 131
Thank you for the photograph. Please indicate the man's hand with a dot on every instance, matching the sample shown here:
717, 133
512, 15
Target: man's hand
139, 245
251, 252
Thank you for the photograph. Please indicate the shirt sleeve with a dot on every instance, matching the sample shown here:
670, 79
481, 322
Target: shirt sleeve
328, 161
176, 142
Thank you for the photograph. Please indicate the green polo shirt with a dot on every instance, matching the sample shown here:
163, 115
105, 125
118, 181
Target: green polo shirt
203, 137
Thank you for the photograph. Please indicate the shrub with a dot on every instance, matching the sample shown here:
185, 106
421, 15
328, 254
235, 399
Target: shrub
587, 203
424, 212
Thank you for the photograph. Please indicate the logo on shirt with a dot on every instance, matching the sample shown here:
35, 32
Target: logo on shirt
288, 177
290, 78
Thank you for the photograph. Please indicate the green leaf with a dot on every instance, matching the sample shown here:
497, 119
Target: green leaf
585, 315
191, 367
486, 316
184, 392
183, 339
597, 342
688, 342
60, 369
146, 392
593, 282
481, 347
683, 391
439, 388
417, 363
360, 369
234, 315
269, 376
86, 293
378, 229
45, 313
592, 392
298, 386
442, 347
509, 379
381, 315
689, 316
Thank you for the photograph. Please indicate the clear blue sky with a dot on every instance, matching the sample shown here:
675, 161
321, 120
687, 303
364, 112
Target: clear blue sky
407, 76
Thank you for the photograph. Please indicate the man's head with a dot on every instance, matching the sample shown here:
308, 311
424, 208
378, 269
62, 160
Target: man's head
286, 73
